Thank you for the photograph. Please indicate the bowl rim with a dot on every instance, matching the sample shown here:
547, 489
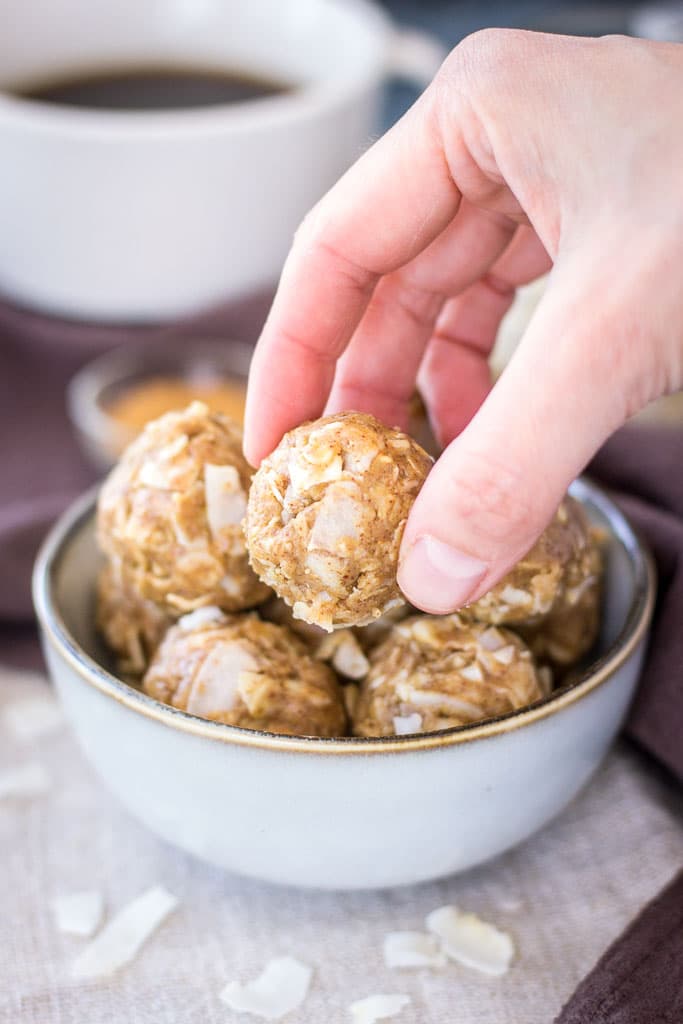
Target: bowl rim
634, 630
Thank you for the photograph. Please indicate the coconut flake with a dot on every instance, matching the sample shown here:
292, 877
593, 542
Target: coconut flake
78, 913
431, 698
215, 689
378, 1007
226, 502
156, 476
574, 594
305, 473
33, 717
472, 673
471, 941
326, 568
514, 596
279, 989
125, 934
206, 616
412, 949
404, 725
336, 519
25, 782
504, 655
422, 630
345, 653
491, 639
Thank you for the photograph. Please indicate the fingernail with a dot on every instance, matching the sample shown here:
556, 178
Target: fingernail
438, 578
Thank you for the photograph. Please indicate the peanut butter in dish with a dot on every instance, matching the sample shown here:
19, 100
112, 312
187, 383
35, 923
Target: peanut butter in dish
148, 399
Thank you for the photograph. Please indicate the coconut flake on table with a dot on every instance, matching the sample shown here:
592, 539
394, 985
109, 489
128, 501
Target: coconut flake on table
412, 949
78, 913
29, 718
29, 780
377, 1007
470, 941
406, 725
279, 989
122, 938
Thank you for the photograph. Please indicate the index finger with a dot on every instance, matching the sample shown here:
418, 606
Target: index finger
385, 210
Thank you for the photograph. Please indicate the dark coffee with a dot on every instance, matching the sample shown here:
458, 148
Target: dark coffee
152, 89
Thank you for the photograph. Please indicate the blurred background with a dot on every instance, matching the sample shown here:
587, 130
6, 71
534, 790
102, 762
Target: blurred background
451, 20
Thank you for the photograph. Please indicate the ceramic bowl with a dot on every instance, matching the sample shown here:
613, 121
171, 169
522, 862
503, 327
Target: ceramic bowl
341, 813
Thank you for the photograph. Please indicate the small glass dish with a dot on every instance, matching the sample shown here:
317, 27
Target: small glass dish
106, 397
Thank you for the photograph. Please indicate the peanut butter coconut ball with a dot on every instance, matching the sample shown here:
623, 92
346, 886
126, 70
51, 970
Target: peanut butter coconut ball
561, 561
171, 513
572, 627
434, 672
130, 626
242, 671
326, 515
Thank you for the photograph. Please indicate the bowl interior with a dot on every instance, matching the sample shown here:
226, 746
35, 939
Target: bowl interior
69, 575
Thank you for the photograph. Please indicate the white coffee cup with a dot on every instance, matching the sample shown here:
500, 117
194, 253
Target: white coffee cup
150, 215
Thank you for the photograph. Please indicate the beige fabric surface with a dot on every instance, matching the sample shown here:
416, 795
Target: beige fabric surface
564, 895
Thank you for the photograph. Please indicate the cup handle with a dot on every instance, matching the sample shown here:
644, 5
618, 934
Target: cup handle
415, 56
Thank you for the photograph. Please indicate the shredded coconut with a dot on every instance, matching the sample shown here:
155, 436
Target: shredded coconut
280, 988
122, 938
471, 941
78, 913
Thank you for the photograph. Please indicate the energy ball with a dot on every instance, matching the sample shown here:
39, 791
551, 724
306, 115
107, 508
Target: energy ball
572, 627
326, 515
434, 672
561, 560
171, 514
131, 627
243, 671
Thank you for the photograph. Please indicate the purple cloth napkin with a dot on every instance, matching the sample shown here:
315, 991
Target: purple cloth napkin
640, 979
644, 467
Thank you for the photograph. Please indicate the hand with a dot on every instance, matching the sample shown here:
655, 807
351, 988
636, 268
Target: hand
526, 151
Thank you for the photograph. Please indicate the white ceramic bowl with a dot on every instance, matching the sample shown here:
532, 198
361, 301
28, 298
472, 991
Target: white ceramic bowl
346, 813
149, 215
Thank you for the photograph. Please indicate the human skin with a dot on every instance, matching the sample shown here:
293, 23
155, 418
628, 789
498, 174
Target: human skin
527, 152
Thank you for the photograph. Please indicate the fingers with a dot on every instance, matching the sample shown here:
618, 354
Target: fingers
499, 482
378, 370
382, 213
454, 377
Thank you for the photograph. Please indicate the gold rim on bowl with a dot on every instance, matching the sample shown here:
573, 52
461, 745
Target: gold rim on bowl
634, 629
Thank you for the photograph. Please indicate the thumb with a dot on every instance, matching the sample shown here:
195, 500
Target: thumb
576, 376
